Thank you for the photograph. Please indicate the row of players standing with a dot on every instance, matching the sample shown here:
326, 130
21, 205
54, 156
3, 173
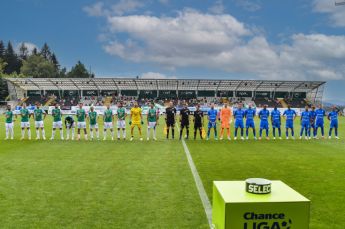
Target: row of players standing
311, 120
136, 121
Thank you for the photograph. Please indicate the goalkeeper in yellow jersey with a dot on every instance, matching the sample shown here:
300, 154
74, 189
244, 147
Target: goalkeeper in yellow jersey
136, 120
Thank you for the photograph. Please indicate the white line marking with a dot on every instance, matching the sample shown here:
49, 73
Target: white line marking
202, 193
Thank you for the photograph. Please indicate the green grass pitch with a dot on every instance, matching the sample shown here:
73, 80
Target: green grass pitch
122, 184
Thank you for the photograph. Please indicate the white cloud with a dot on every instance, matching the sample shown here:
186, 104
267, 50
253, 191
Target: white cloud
156, 75
164, 2
195, 39
99, 9
249, 5
126, 6
190, 29
336, 13
218, 7
96, 10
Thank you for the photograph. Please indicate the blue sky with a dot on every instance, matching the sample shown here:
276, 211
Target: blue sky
237, 39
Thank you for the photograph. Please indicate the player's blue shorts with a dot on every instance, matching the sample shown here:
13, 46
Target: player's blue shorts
212, 124
305, 124
250, 124
264, 125
319, 124
334, 125
276, 124
289, 125
239, 124
312, 125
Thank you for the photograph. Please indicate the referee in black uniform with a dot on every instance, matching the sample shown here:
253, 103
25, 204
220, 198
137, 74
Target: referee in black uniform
198, 121
184, 120
170, 119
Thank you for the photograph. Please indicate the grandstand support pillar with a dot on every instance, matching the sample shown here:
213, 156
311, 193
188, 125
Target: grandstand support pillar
316, 95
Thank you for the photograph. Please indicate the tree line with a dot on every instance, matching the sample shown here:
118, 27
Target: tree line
36, 63
41, 63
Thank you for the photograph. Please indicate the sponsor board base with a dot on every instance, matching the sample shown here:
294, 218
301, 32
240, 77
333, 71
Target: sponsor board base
234, 208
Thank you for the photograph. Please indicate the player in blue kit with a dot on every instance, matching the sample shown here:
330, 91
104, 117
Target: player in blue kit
239, 115
305, 123
276, 122
333, 117
290, 116
319, 121
312, 115
249, 115
264, 114
212, 116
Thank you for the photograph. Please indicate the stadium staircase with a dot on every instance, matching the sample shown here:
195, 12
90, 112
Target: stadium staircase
283, 103
50, 101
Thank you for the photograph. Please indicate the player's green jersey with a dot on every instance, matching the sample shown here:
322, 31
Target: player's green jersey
56, 114
93, 117
152, 115
38, 114
121, 113
9, 116
25, 114
108, 115
81, 115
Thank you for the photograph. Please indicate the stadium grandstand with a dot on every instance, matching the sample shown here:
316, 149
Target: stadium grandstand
103, 91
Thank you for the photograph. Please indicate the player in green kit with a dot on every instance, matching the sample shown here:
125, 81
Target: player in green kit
39, 116
152, 121
108, 122
25, 121
81, 116
93, 119
9, 123
57, 121
121, 121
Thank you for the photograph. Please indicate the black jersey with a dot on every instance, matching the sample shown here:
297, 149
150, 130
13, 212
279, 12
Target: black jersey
69, 121
198, 115
185, 112
170, 114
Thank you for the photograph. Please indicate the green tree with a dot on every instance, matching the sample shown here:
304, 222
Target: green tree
2, 66
45, 52
79, 71
63, 73
37, 66
23, 51
55, 61
35, 51
12, 60
2, 49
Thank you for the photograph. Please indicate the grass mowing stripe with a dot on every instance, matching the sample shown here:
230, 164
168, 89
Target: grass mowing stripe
202, 193
99, 184
315, 168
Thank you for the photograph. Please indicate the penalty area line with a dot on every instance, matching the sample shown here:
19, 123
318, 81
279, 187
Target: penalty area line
202, 193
